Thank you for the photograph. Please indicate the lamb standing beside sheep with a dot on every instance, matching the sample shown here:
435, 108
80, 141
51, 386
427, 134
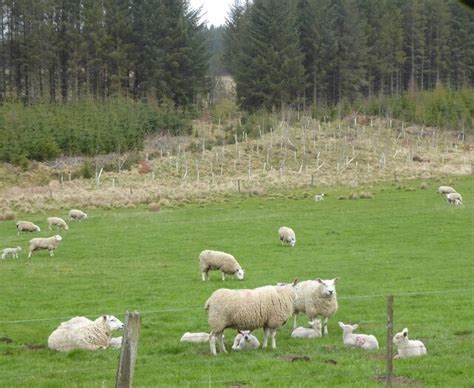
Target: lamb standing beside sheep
76, 214
455, 198
26, 226
11, 251
363, 341
49, 243
287, 235
407, 347
244, 340
58, 222
308, 332
226, 263
267, 307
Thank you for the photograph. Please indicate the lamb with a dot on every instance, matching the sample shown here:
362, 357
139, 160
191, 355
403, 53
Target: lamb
308, 332
316, 298
455, 198
11, 251
49, 243
363, 341
56, 221
195, 337
319, 197
407, 347
209, 260
445, 190
26, 226
287, 235
76, 214
245, 340
82, 333
268, 307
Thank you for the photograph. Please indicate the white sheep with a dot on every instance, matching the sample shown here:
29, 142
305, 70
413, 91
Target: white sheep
226, 263
319, 197
195, 337
82, 333
446, 190
363, 341
267, 307
287, 235
76, 214
316, 298
26, 226
455, 198
56, 221
308, 332
11, 251
49, 243
407, 347
245, 340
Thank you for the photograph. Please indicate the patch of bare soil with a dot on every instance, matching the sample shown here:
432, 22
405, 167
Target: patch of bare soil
398, 380
294, 357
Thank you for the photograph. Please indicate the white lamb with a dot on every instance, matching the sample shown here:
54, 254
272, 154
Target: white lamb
244, 340
266, 307
216, 260
407, 347
58, 222
76, 214
308, 332
316, 298
319, 197
11, 251
446, 190
26, 226
363, 341
287, 235
49, 243
195, 337
455, 198
82, 333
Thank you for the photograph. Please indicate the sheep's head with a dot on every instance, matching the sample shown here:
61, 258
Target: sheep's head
38, 228
18, 248
347, 329
85, 215
112, 322
292, 241
315, 324
58, 237
401, 337
239, 274
66, 227
328, 287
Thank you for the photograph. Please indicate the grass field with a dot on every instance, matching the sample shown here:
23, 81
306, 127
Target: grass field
406, 242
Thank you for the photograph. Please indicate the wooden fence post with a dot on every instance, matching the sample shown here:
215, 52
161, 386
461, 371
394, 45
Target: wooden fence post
388, 381
238, 185
128, 354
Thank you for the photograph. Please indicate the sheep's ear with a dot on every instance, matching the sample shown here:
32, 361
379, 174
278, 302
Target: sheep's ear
341, 325
319, 280
104, 317
355, 326
335, 280
405, 332
240, 332
295, 282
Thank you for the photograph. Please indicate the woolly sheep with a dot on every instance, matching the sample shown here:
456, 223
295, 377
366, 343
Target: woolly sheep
455, 198
49, 243
245, 340
363, 341
26, 226
316, 298
287, 235
76, 214
445, 190
195, 337
56, 221
82, 333
268, 307
407, 347
319, 197
11, 251
209, 260
308, 332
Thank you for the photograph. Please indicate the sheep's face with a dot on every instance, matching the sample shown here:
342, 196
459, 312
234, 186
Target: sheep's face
66, 227
328, 288
315, 324
292, 241
58, 237
113, 322
85, 215
18, 249
38, 229
240, 274
401, 338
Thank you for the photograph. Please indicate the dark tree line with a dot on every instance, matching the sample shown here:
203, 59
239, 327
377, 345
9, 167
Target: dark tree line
300, 52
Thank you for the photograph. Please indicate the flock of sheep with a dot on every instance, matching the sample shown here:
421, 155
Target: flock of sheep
451, 194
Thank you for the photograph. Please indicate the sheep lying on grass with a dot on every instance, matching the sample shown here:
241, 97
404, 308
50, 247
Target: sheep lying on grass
195, 337
245, 340
266, 307
58, 222
11, 251
316, 298
407, 347
226, 263
363, 341
446, 190
82, 333
455, 198
287, 235
26, 226
308, 332
49, 243
76, 214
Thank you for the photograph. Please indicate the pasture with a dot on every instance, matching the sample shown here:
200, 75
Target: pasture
406, 242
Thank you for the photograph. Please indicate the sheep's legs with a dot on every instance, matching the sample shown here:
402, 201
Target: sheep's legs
295, 316
265, 337
29, 254
212, 343
203, 274
220, 339
326, 326
223, 275
51, 253
273, 332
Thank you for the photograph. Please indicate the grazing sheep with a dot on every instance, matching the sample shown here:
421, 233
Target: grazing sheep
11, 251
316, 298
82, 333
195, 337
445, 190
26, 226
287, 235
76, 214
268, 307
407, 347
308, 332
209, 260
49, 243
319, 197
245, 340
455, 198
363, 341
56, 221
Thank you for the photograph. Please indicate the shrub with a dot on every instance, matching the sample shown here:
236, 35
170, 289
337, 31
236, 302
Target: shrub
7, 216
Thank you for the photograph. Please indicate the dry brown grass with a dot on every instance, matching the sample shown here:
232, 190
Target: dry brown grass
7, 216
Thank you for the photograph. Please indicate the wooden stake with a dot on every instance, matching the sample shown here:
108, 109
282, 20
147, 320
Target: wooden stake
128, 354
389, 341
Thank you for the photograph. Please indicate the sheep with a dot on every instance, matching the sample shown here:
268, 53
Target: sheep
316, 298
209, 260
76, 214
195, 337
26, 226
49, 243
268, 307
82, 333
363, 341
56, 221
287, 235
11, 251
407, 347
319, 197
445, 190
308, 332
245, 340
455, 198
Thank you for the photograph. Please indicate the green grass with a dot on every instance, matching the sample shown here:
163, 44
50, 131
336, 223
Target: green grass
401, 242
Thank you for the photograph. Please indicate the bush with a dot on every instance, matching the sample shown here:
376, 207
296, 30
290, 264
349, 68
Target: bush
86, 170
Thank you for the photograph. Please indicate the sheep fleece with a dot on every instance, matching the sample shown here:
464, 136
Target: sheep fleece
218, 260
311, 302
